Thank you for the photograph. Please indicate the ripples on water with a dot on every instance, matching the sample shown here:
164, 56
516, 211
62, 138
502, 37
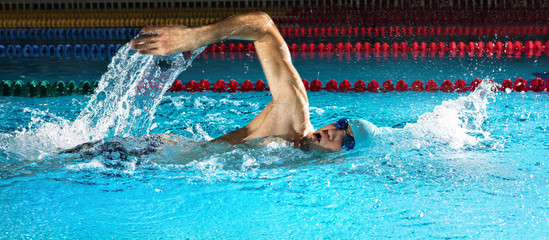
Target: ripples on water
454, 124
451, 163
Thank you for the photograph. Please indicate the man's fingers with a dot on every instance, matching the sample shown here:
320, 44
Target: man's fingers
148, 51
146, 39
144, 46
143, 43
157, 30
150, 43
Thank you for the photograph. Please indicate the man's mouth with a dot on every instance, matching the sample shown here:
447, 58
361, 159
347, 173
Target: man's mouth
317, 136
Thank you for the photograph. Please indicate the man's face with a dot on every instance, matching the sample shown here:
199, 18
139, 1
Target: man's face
326, 139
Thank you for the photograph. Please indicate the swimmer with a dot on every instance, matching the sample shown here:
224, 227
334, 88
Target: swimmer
287, 114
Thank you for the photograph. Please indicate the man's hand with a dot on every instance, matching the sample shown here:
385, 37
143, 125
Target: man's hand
168, 40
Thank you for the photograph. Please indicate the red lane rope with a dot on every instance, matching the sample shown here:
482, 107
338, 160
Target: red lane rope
530, 48
414, 31
519, 85
382, 16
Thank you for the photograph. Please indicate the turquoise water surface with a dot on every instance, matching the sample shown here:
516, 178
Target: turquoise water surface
447, 165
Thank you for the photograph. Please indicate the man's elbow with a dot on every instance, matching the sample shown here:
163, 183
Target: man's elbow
264, 21
262, 16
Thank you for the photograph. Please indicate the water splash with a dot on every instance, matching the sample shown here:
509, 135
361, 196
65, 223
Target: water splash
129, 92
124, 104
454, 124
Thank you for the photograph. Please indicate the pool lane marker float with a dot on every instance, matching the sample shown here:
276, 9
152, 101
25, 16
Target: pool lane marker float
69, 33
418, 16
457, 48
460, 85
453, 49
125, 33
60, 88
45, 89
396, 31
281, 16
79, 51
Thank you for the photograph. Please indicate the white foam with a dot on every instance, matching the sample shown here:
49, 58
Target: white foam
455, 123
124, 104
132, 88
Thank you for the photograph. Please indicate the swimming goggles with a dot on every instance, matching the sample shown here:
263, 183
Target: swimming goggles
348, 141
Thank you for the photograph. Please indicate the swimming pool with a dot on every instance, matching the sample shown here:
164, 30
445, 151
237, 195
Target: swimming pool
449, 165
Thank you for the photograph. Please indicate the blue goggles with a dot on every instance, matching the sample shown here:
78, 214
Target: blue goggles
348, 141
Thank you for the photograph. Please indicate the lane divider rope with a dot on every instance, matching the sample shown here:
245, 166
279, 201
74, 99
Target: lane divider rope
519, 85
507, 47
282, 16
69, 33
120, 33
45, 89
83, 51
94, 51
60, 88
394, 31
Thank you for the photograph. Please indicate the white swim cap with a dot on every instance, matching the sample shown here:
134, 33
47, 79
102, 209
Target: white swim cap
363, 132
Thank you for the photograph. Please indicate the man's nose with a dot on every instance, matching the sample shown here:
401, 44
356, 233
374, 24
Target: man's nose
332, 134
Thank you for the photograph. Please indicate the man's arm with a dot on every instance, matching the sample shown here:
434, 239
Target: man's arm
270, 46
287, 113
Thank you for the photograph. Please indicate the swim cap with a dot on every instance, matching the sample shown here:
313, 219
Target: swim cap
363, 132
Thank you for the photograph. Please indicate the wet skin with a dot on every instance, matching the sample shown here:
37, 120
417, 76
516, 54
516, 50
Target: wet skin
326, 139
287, 114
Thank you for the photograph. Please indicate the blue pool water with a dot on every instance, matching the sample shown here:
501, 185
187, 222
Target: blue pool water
447, 165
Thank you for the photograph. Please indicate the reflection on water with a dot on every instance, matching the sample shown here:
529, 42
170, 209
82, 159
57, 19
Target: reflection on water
445, 166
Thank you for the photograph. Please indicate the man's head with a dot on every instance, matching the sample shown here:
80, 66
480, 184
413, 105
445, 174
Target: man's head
333, 137
340, 135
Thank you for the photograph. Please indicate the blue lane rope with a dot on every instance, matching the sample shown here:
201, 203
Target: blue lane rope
84, 51
69, 33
